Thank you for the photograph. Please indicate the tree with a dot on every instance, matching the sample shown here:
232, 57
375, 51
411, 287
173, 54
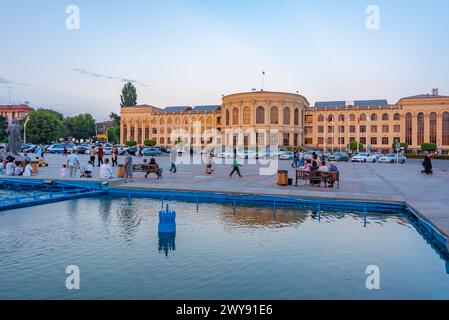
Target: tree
114, 134
149, 143
131, 143
404, 146
129, 96
429, 147
116, 118
354, 145
3, 127
44, 126
81, 126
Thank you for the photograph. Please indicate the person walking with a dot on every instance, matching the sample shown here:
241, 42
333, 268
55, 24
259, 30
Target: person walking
39, 151
235, 167
92, 154
128, 167
114, 156
64, 153
209, 163
295, 163
427, 164
73, 163
100, 155
173, 157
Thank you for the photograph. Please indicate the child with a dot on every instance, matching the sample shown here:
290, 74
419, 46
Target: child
28, 172
88, 170
63, 171
18, 171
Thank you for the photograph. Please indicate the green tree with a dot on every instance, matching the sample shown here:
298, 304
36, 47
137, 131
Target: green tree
81, 126
354, 145
3, 127
131, 143
45, 126
149, 143
114, 134
116, 118
429, 147
129, 96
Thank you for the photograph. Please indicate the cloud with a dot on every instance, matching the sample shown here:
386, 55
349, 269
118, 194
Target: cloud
7, 81
109, 77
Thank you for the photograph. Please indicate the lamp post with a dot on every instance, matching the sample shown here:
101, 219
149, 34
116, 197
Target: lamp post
27, 119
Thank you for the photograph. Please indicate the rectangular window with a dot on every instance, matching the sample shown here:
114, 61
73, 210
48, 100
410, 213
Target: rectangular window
154, 130
260, 139
330, 129
308, 141
341, 140
352, 129
363, 140
341, 129
309, 119
385, 141
308, 130
374, 141
330, 141
320, 129
397, 128
352, 139
286, 139
374, 129
385, 129
362, 129
295, 139
320, 140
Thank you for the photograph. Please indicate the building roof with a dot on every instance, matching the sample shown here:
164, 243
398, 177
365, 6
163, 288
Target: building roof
330, 104
19, 107
365, 103
177, 109
207, 108
426, 96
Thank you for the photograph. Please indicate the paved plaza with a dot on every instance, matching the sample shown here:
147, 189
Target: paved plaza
359, 181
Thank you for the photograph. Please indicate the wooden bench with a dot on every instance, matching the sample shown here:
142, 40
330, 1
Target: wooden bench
318, 177
148, 169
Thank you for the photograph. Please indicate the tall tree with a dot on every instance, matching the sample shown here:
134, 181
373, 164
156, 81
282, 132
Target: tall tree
129, 96
81, 126
115, 117
45, 126
3, 127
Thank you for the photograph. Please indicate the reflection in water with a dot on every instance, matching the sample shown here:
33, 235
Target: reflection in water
129, 219
167, 242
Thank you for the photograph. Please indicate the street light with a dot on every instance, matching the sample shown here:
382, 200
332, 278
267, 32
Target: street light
25, 129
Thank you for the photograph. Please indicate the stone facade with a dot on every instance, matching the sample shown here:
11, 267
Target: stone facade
265, 118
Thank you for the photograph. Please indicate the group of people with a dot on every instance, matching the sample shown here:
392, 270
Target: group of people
298, 159
12, 167
73, 165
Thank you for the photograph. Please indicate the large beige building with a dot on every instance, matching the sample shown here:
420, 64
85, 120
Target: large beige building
262, 118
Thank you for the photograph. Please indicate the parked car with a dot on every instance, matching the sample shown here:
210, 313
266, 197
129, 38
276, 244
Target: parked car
132, 151
339, 157
286, 155
225, 155
152, 152
364, 157
30, 149
83, 149
392, 158
247, 154
308, 154
56, 148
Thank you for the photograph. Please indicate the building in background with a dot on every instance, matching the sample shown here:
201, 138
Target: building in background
11, 112
287, 120
101, 129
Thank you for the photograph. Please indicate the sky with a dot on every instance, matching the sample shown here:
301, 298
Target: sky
191, 52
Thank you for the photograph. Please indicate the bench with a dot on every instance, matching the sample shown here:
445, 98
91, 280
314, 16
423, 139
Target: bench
148, 169
318, 177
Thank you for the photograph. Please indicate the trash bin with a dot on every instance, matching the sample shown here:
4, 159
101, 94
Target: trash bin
121, 171
35, 167
283, 178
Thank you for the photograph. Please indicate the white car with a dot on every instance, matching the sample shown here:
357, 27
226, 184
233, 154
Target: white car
225, 155
286, 155
107, 151
392, 158
247, 154
364, 157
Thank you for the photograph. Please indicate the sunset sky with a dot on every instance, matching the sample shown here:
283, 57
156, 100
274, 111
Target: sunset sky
191, 52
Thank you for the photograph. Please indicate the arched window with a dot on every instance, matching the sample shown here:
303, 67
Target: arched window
385, 117
260, 115
287, 116
247, 116
341, 118
374, 117
320, 118
433, 127
162, 121
296, 116
227, 117
169, 121
177, 121
274, 115
235, 117
446, 129
352, 117
420, 128
330, 118
362, 117
397, 117
209, 120
408, 129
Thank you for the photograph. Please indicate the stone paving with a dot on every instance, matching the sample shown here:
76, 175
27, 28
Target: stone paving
359, 181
